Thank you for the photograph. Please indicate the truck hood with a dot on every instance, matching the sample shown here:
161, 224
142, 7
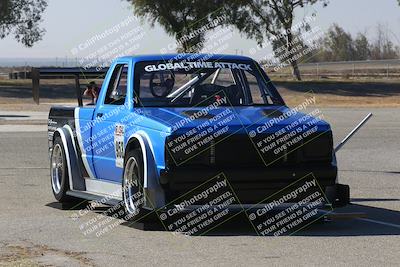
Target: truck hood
181, 119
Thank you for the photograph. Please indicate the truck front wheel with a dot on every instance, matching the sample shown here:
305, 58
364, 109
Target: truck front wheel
132, 186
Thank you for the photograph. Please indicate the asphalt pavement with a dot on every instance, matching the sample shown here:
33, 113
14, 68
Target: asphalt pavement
34, 230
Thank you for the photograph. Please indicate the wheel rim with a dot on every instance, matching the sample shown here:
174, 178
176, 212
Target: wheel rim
131, 188
57, 168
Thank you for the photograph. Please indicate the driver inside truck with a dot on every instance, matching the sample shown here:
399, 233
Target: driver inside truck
92, 90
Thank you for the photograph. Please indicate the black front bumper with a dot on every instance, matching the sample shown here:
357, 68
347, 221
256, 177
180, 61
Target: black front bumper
251, 185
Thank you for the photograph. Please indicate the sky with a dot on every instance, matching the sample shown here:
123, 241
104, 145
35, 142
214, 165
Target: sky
70, 24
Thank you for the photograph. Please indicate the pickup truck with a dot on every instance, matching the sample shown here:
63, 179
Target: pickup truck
163, 125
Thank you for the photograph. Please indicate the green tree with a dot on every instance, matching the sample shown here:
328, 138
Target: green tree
338, 45
264, 20
188, 21
21, 19
361, 47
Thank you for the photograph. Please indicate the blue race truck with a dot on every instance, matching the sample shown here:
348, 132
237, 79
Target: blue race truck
163, 125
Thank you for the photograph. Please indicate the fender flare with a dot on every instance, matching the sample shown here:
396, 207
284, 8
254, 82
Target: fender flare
85, 162
76, 182
153, 190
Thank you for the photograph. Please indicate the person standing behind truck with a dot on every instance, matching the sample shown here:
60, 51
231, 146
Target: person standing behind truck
92, 90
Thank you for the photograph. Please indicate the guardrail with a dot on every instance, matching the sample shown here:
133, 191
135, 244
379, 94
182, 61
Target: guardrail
344, 69
55, 73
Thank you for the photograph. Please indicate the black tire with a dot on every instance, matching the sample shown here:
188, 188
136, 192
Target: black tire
61, 186
133, 210
343, 195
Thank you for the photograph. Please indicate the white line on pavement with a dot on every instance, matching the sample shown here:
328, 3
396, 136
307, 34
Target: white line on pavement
379, 222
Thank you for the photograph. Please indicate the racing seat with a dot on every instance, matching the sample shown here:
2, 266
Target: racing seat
234, 94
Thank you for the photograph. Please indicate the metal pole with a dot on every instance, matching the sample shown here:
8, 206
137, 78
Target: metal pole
341, 144
78, 90
35, 84
387, 71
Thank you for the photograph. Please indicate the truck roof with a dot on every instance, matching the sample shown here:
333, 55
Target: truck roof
154, 57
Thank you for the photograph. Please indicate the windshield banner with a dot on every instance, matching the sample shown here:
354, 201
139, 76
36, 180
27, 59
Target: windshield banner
197, 65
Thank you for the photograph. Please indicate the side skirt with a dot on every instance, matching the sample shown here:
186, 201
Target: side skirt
90, 196
102, 191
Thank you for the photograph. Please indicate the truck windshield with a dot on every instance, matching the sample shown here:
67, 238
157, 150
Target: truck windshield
198, 83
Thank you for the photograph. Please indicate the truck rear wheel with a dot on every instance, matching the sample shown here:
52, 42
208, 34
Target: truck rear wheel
132, 185
59, 172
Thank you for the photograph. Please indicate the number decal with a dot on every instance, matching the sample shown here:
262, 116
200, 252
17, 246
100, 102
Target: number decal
119, 145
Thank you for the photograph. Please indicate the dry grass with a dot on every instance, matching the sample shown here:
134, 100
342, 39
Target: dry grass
28, 254
343, 93
327, 100
17, 94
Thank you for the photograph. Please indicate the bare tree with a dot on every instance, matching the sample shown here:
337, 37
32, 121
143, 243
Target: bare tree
383, 47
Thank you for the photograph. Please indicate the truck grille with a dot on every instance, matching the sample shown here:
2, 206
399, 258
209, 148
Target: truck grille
239, 151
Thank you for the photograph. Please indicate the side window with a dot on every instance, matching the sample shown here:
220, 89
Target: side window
255, 89
117, 88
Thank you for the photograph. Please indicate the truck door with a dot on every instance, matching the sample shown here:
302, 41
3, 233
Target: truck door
109, 128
